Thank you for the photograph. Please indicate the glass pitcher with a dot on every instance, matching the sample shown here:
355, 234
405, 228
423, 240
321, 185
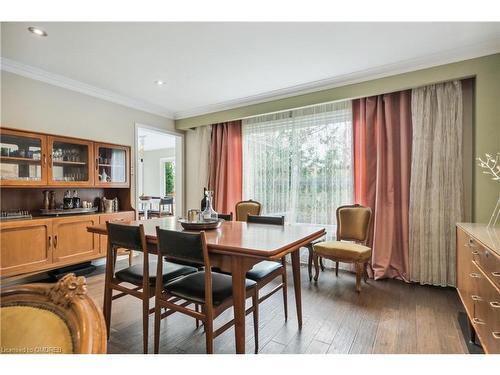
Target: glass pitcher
209, 213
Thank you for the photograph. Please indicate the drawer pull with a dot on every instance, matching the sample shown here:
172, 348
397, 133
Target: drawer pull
495, 304
475, 275
496, 335
50, 241
478, 321
476, 298
496, 274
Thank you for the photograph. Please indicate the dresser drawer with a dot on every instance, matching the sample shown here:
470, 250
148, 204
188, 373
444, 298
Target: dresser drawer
486, 317
488, 261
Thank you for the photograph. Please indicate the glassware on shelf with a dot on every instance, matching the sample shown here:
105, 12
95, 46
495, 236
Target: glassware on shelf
209, 213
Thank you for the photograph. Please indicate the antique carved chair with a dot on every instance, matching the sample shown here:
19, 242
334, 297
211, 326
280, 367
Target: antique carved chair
245, 208
353, 224
212, 291
132, 237
51, 318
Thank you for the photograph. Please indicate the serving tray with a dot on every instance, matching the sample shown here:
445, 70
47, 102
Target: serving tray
68, 211
200, 225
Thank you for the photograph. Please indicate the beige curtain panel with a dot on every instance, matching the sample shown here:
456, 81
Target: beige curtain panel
436, 196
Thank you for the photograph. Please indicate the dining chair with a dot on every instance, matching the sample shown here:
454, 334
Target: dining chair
266, 271
245, 208
353, 225
57, 318
132, 237
227, 217
168, 201
211, 290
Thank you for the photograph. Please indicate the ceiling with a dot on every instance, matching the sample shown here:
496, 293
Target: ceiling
212, 66
154, 140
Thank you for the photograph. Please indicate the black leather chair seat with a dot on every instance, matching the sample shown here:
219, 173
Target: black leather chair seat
192, 287
171, 271
263, 269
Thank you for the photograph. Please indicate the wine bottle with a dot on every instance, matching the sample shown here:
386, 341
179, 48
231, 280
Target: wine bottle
204, 200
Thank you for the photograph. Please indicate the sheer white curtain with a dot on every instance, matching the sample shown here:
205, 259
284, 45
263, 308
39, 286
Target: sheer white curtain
299, 163
436, 198
198, 148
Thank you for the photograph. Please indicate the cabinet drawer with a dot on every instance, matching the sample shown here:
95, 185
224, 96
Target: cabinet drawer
465, 283
489, 262
487, 312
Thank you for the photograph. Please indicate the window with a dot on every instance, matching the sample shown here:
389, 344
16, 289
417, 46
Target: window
299, 163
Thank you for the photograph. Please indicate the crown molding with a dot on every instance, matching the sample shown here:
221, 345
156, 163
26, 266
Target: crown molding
441, 58
32, 72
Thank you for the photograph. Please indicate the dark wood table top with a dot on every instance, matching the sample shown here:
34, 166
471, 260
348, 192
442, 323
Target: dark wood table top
250, 239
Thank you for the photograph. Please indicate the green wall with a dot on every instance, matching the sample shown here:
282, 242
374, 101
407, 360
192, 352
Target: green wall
486, 70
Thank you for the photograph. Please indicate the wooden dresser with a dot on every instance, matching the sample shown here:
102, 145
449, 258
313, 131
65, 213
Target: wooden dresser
478, 281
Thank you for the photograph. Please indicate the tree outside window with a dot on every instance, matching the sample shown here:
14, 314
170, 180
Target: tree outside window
169, 178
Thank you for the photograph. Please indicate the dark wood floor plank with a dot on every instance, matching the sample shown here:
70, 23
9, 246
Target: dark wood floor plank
388, 316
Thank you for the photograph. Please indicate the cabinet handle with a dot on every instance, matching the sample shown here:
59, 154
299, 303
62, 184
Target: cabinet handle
476, 298
495, 304
50, 241
96, 164
475, 275
478, 321
496, 274
496, 335
55, 241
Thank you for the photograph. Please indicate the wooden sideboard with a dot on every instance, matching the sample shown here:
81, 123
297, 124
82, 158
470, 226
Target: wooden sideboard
32, 162
36, 245
478, 281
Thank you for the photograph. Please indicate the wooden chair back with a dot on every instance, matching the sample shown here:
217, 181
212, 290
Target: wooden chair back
275, 220
227, 217
353, 223
51, 318
245, 208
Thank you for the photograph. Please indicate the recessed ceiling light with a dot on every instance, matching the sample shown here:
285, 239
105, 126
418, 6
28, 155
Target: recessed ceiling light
159, 82
37, 31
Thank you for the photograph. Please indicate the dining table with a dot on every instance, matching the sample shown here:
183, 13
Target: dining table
235, 247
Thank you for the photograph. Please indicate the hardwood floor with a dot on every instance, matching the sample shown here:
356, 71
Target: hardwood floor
387, 317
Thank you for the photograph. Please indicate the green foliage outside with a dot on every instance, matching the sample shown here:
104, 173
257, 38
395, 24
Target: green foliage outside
169, 178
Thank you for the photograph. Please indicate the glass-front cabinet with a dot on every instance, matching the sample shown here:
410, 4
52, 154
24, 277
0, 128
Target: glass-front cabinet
22, 158
70, 162
111, 165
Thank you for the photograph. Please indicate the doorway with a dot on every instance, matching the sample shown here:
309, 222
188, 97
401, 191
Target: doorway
159, 173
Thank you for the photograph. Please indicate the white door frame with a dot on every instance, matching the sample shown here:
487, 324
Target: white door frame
179, 161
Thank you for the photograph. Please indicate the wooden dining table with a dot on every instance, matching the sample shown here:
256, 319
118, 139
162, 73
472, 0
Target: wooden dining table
236, 247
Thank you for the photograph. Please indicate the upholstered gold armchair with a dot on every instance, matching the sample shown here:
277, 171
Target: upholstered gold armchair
245, 208
353, 224
51, 319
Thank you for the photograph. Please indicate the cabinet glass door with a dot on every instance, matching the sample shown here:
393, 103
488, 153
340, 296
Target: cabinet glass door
70, 161
111, 165
22, 158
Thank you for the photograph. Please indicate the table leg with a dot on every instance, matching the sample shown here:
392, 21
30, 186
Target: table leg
239, 293
296, 284
310, 261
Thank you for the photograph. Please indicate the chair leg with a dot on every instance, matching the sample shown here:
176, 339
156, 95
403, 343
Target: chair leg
108, 293
365, 272
337, 269
255, 303
209, 329
285, 290
130, 256
321, 264
145, 323
359, 272
197, 309
316, 266
310, 261
157, 327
